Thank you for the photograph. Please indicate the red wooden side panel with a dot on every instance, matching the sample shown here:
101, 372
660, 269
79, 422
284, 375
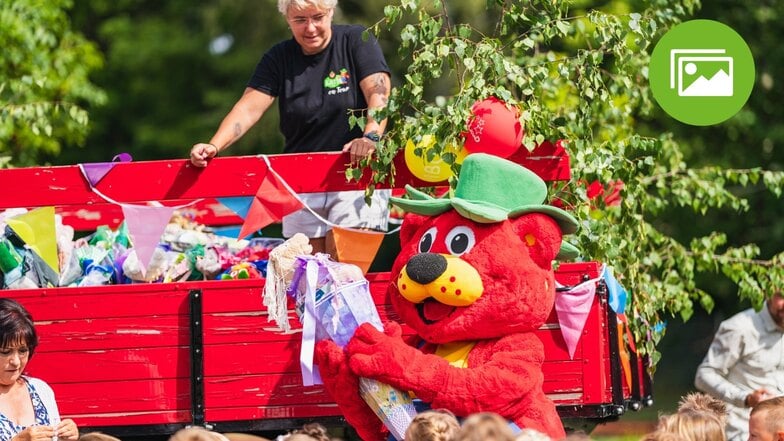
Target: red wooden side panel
120, 355
227, 176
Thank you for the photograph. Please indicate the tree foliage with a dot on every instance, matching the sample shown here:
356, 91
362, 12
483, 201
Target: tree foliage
45, 91
581, 75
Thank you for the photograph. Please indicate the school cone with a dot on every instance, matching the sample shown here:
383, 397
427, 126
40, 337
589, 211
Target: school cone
357, 247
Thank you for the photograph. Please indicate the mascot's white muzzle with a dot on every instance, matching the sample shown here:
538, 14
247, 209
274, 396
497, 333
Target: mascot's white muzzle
448, 279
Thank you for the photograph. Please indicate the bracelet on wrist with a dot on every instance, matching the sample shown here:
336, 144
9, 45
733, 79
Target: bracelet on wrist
373, 136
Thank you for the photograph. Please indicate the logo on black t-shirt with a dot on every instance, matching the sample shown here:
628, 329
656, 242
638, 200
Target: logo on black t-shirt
337, 82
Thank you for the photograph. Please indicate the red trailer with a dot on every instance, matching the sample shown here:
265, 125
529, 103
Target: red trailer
148, 359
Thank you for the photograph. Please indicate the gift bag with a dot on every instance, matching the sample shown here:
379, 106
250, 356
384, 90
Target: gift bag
332, 299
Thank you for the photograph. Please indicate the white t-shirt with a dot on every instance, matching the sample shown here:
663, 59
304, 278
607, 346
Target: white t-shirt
747, 353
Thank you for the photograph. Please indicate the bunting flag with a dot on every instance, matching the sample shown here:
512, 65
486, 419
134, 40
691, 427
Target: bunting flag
357, 247
145, 226
623, 352
616, 293
239, 205
36, 229
97, 170
231, 231
572, 308
273, 201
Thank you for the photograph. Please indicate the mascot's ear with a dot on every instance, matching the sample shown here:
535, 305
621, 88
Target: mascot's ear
411, 224
541, 235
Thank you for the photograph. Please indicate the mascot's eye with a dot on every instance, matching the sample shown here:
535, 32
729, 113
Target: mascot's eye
426, 242
460, 240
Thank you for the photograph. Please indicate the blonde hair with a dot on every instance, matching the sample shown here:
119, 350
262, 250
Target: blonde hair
433, 425
485, 426
700, 402
661, 436
284, 5
197, 434
97, 436
531, 435
773, 413
692, 425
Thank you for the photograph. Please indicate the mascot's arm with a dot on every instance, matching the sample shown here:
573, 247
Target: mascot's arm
343, 386
500, 381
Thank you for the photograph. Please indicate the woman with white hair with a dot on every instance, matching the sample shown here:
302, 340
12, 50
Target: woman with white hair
317, 76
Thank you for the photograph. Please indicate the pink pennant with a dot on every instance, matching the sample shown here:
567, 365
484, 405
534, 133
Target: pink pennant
145, 226
572, 308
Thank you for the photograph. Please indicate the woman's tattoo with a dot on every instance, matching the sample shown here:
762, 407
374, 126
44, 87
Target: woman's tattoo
379, 84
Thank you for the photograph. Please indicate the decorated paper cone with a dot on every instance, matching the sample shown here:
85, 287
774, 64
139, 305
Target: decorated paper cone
392, 406
357, 247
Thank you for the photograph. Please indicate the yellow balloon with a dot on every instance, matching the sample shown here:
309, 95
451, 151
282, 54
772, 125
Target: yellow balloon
431, 171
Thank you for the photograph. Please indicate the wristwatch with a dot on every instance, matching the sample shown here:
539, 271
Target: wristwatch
373, 136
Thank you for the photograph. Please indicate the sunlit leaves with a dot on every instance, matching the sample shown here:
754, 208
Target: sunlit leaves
44, 84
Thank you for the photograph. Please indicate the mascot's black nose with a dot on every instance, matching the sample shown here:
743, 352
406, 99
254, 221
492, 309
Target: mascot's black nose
425, 267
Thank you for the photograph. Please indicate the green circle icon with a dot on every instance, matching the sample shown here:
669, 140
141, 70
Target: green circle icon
701, 72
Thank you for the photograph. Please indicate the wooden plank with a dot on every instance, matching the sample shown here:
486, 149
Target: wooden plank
595, 352
112, 333
261, 390
251, 358
226, 176
148, 395
225, 414
110, 365
96, 421
555, 346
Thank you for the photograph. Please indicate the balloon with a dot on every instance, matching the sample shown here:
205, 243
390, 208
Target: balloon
493, 128
431, 171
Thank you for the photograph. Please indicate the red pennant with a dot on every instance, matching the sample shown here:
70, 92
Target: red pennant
273, 201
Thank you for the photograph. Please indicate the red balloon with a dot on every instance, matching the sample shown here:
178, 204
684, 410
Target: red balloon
493, 128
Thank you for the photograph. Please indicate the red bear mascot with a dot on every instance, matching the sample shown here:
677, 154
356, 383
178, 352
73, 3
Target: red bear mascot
474, 280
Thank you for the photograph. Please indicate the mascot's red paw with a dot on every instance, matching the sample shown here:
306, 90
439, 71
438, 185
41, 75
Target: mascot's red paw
343, 386
382, 356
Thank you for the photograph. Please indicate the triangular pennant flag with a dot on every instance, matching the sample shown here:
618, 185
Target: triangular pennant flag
356, 246
239, 205
572, 308
145, 226
36, 229
97, 170
272, 202
616, 293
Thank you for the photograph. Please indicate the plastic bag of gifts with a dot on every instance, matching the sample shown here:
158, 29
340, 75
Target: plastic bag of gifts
332, 299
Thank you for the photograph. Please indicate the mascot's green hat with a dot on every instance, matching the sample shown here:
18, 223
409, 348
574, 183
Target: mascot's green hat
491, 189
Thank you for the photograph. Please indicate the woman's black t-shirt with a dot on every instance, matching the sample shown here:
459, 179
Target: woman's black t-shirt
315, 92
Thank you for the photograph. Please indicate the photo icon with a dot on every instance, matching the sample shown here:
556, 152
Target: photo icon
701, 72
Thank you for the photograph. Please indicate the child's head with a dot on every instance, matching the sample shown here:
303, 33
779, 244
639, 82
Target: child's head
309, 432
97, 436
693, 425
485, 426
531, 435
698, 401
433, 425
197, 434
